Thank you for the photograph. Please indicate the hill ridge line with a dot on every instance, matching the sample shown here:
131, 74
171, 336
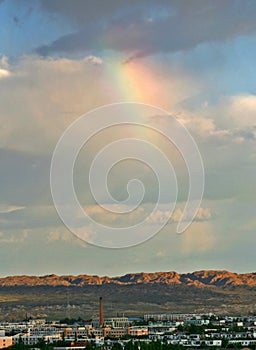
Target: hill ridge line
200, 278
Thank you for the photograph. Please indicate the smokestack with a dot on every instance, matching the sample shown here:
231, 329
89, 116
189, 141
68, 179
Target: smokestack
101, 313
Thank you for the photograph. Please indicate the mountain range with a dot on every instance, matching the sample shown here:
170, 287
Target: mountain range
133, 294
202, 278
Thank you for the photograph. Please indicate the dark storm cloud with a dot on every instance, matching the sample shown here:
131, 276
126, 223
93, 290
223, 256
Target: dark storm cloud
81, 10
182, 25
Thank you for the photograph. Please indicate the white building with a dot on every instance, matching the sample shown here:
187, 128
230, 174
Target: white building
114, 322
29, 339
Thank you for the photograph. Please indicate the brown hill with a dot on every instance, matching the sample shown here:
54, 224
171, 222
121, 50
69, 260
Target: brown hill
133, 294
202, 278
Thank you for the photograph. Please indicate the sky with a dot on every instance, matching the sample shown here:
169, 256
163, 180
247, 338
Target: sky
60, 59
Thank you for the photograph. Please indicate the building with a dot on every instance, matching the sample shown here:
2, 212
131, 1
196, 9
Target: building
137, 331
29, 339
113, 322
78, 332
116, 332
5, 342
170, 317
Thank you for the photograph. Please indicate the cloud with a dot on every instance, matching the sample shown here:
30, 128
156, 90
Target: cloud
184, 26
93, 59
198, 239
244, 104
11, 238
82, 11
230, 119
39, 101
112, 217
39, 216
9, 209
24, 180
4, 62
46, 95
237, 118
57, 235
43, 96
4, 73
46, 217
4, 67
203, 214
199, 66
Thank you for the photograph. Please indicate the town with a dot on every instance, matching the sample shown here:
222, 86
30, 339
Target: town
152, 331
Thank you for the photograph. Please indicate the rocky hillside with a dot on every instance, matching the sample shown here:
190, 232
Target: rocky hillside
201, 279
55, 297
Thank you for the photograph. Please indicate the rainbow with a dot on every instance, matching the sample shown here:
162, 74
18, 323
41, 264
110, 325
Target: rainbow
134, 81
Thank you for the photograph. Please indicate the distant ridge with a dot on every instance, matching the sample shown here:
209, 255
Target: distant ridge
134, 294
204, 278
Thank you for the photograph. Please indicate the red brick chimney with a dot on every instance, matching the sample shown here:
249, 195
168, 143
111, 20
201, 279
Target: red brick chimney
101, 314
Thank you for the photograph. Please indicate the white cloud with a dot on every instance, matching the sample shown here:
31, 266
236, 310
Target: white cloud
46, 95
231, 119
4, 62
4, 73
245, 104
4, 67
11, 238
203, 127
10, 209
57, 235
203, 214
94, 60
